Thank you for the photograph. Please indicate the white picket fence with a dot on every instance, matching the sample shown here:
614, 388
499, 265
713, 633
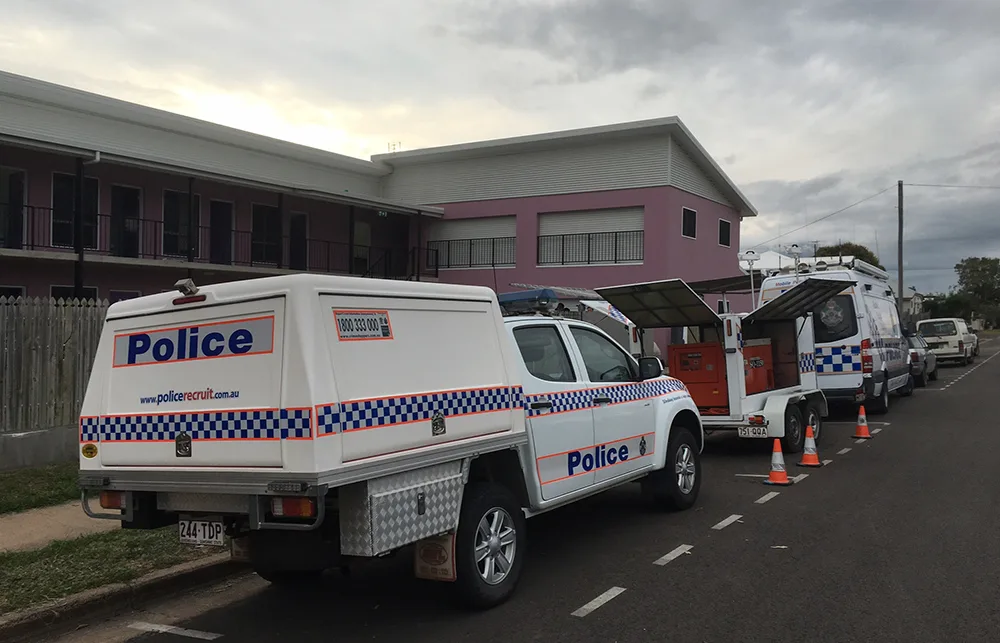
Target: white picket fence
47, 348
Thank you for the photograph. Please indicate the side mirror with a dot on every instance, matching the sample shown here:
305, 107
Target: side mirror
650, 367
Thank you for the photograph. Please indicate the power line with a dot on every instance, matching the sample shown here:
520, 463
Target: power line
826, 216
957, 187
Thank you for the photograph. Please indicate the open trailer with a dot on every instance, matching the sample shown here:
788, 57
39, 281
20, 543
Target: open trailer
753, 373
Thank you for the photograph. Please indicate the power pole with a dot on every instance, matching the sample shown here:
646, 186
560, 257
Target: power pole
899, 258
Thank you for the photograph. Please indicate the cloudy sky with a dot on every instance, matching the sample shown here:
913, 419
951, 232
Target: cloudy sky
809, 105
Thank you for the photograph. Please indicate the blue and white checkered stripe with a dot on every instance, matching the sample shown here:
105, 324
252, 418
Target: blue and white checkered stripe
581, 400
834, 359
366, 414
807, 362
327, 419
268, 424
617, 315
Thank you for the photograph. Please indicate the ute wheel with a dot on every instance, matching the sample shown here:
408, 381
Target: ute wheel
795, 431
291, 579
675, 487
489, 546
880, 406
933, 375
921, 380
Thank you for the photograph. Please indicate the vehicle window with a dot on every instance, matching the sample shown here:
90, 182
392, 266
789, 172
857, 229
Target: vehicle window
544, 353
916, 341
835, 320
605, 362
937, 329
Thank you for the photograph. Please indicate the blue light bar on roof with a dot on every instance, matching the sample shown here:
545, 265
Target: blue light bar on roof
542, 296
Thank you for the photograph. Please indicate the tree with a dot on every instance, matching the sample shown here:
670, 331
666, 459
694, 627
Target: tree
956, 304
849, 249
980, 278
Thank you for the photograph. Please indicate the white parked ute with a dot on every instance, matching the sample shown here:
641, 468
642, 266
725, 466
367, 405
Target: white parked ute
319, 419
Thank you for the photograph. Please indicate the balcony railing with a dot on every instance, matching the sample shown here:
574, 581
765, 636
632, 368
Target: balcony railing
591, 248
476, 253
42, 228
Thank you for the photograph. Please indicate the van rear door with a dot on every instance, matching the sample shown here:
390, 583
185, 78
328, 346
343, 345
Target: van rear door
197, 387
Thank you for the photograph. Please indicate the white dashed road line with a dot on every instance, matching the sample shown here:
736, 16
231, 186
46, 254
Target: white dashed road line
170, 629
766, 497
800, 477
827, 462
876, 431
599, 601
728, 521
676, 553
751, 475
844, 451
861, 441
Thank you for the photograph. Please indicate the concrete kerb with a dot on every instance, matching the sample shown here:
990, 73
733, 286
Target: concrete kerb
115, 598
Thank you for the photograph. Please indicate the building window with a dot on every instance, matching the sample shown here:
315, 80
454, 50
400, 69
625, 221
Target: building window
689, 223
11, 292
122, 295
63, 197
265, 239
725, 233
68, 292
176, 223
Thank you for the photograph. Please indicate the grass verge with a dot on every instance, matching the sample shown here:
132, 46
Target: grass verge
38, 487
66, 567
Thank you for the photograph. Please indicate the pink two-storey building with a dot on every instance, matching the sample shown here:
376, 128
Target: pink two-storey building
103, 198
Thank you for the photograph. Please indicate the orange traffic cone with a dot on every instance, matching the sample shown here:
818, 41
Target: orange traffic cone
778, 475
862, 431
810, 456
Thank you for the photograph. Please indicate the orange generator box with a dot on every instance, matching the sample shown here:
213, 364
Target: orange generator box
702, 367
758, 365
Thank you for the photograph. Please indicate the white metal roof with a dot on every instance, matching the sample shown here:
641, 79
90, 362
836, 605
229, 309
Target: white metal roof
671, 125
307, 284
44, 115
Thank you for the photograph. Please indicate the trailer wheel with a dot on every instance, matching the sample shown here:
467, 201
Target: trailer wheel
814, 419
489, 546
795, 432
676, 485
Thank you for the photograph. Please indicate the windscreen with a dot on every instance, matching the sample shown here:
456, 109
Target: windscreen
937, 329
835, 320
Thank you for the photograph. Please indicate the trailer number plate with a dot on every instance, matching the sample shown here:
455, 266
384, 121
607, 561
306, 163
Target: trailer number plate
201, 532
752, 431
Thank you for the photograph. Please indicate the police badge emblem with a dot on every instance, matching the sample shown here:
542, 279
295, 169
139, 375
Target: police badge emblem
437, 424
642, 446
182, 445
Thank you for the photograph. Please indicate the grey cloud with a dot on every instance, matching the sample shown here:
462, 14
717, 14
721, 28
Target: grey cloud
941, 226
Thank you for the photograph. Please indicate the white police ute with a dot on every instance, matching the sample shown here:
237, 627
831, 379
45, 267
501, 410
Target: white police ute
310, 421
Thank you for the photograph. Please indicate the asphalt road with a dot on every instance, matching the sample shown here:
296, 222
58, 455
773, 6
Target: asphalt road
894, 540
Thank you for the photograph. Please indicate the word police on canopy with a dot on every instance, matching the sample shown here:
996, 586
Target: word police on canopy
215, 339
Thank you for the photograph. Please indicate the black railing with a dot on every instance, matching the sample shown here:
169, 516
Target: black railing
590, 248
476, 253
41, 228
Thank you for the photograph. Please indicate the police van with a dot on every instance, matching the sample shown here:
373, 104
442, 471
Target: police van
861, 352
316, 420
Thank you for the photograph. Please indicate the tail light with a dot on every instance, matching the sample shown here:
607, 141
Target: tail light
914, 357
293, 507
113, 499
866, 356
961, 346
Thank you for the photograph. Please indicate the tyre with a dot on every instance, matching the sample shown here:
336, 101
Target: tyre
489, 546
907, 390
921, 380
675, 487
795, 431
813, 419
880, 405
933, 375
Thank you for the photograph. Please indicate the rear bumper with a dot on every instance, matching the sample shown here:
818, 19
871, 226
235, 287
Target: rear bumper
946, 356
853, 395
